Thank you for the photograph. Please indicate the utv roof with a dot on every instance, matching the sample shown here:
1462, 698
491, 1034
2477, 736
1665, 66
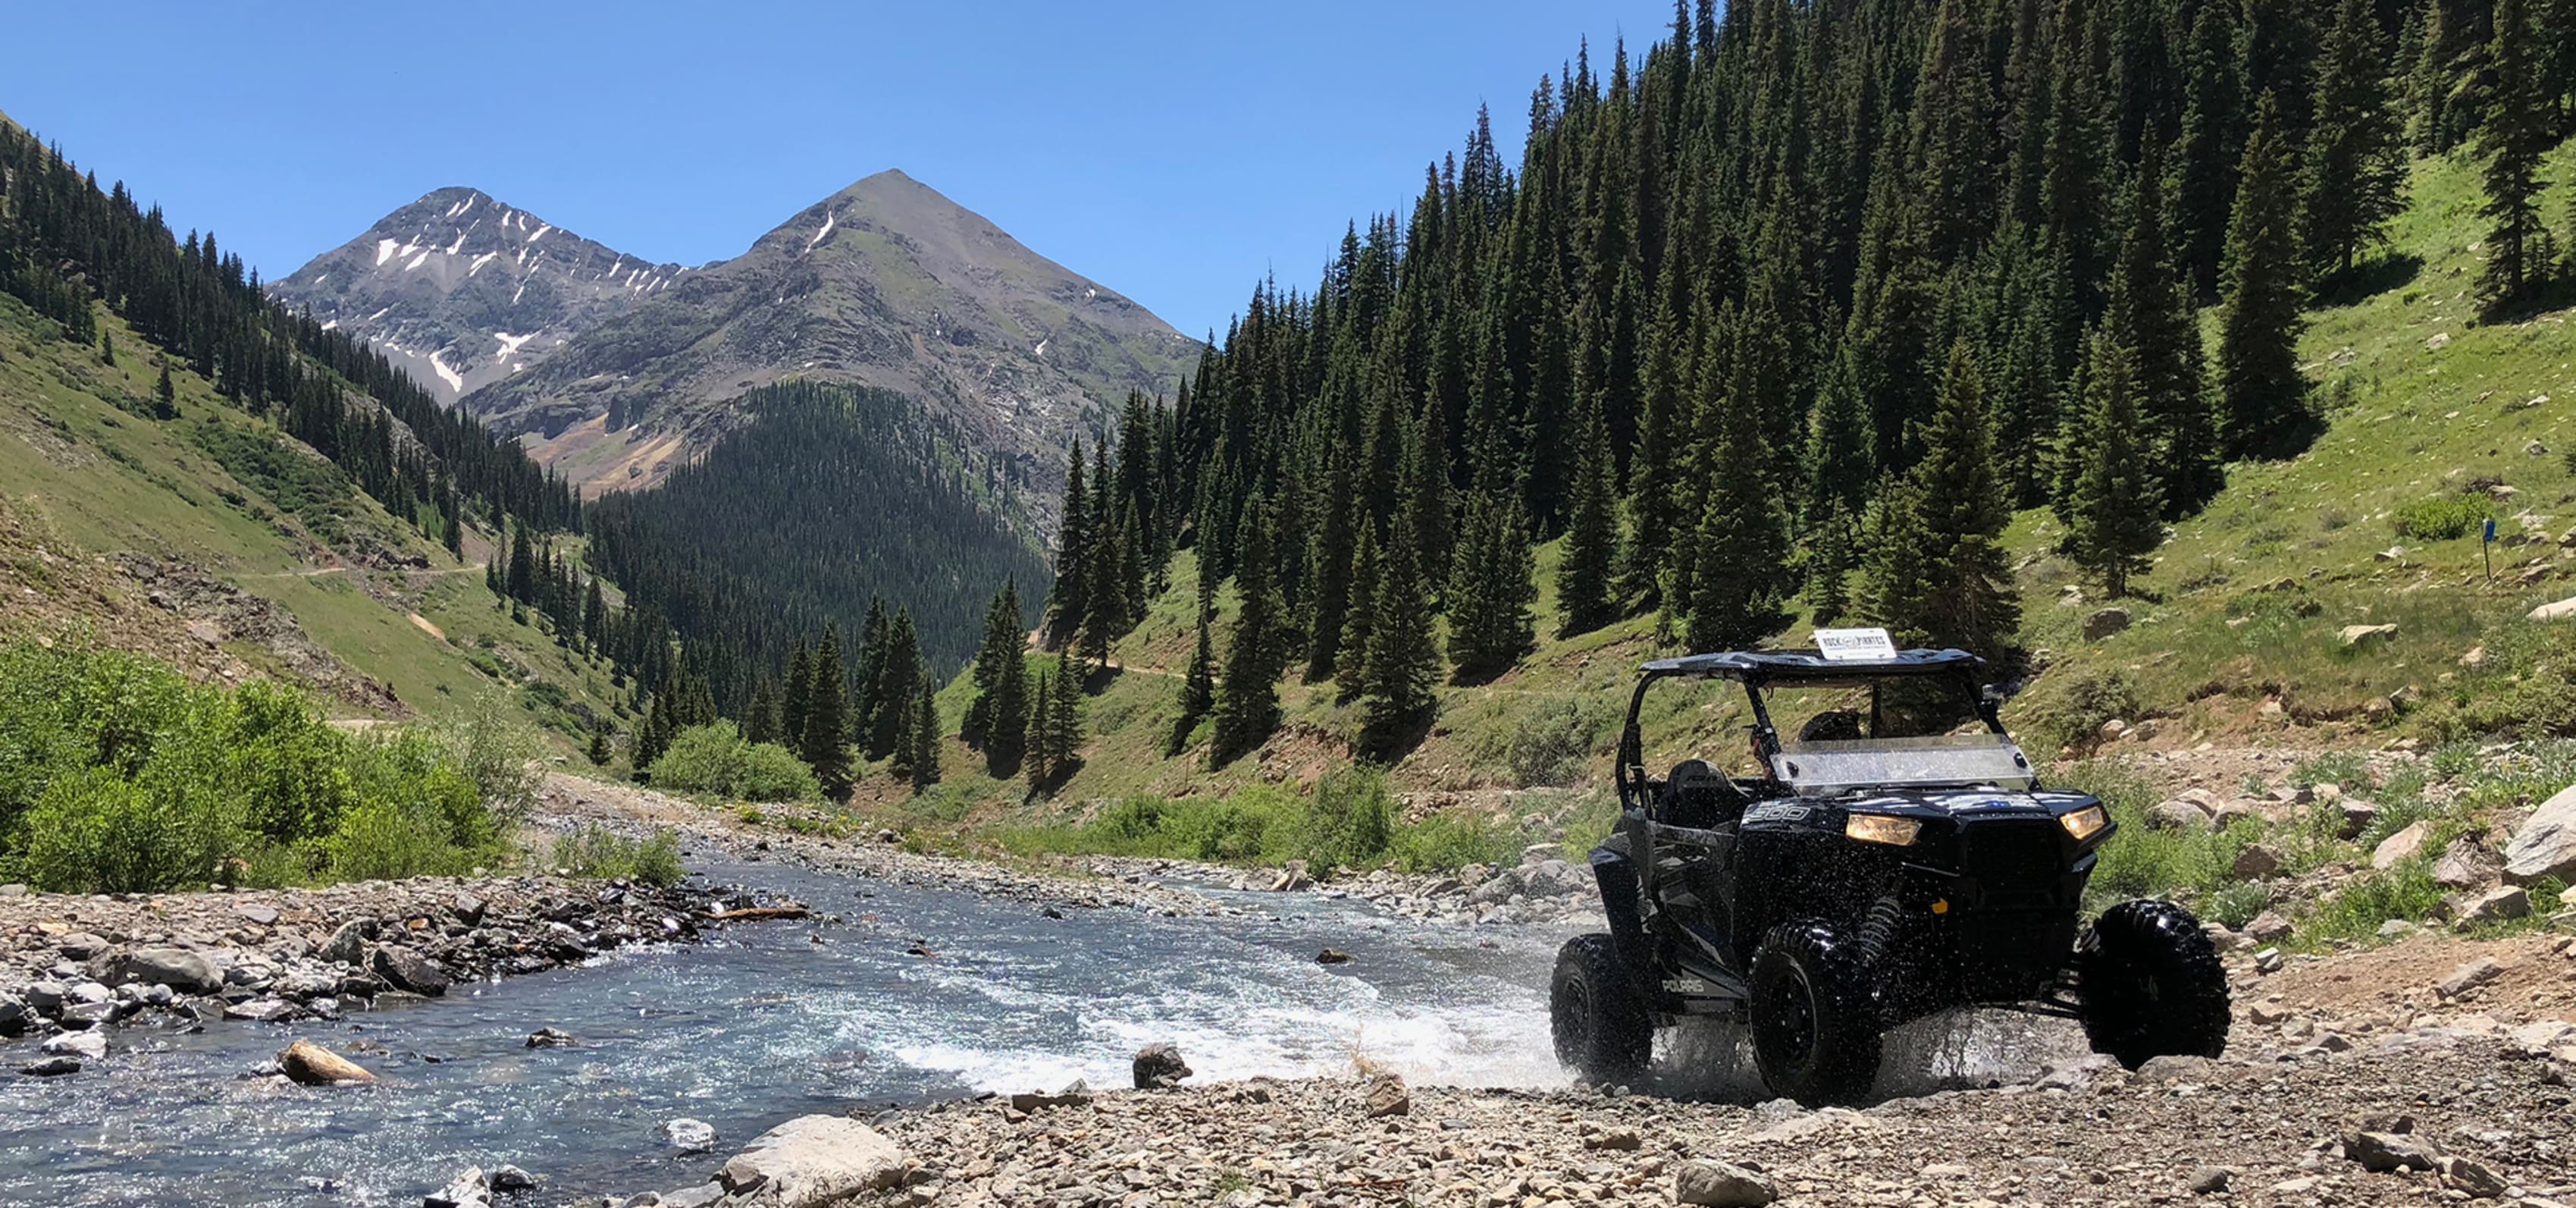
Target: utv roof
1757, 666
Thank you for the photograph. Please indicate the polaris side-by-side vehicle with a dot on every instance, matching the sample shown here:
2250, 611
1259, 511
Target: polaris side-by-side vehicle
1893, 857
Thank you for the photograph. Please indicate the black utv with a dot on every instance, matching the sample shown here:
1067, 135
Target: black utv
1895, 858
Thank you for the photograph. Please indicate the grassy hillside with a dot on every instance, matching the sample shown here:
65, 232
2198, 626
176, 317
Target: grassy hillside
221, 501
2236, 635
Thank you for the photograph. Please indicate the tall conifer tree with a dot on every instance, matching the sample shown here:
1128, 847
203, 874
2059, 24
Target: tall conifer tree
825, 743
2114, 499
1403, 663
2519, 130
2261, 395
1247, 700
2353, 177
1584, 585
1968, 600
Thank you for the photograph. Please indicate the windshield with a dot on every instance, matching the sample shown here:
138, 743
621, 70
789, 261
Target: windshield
1830, 766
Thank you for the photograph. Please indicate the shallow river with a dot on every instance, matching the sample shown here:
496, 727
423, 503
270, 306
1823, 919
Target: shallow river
765, 1022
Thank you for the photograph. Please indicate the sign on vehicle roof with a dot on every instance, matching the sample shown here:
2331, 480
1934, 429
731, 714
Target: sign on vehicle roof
1855, 645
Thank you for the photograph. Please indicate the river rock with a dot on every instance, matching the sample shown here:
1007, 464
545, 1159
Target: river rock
1504, 886
1387, 1096
88, 1046
1721, 1185
470, 1189
178, 968
51, 1067
258, 912
1159, 1065
313, 1065
506, 1177
2545, 844
45, 997
815, 1160
1332, 956
467, 908
689, 1136
80, 945
14, 1015
409, 970
551, 1038
260, 1010
348, 945
704, 1195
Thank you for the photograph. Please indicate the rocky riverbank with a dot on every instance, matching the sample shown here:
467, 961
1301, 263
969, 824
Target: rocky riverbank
2448, 1107
72, 966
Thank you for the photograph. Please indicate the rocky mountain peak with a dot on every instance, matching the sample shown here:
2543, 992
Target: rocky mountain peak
463, 289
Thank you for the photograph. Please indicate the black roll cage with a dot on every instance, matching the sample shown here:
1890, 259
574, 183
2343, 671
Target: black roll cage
1762, 670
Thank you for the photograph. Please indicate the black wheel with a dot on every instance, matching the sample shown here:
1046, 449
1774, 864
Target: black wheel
1600, 1024
2151, 986
1815, 1023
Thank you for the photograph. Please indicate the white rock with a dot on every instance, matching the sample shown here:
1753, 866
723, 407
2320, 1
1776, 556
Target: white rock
88, 1046
2545, 844
815, 1160
690, 1136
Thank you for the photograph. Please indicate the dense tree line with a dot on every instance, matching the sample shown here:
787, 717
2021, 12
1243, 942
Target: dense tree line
830, 506
63, 242
1798, 308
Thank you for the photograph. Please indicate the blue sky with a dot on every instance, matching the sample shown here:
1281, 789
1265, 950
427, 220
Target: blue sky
1173, 152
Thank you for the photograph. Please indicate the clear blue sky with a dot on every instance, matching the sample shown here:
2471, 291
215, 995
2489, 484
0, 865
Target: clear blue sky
1173, 152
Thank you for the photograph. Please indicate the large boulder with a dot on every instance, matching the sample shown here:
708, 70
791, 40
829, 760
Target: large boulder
2545, 844
348, 945
178, 968
313, 1065
2555, 610
2105, 623
2464, 865
409, 970
2180, 814
1722, 1185
1159, 1065
815, 1160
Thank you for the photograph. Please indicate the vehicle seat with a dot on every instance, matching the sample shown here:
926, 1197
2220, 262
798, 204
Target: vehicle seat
1699, 796
1832, 725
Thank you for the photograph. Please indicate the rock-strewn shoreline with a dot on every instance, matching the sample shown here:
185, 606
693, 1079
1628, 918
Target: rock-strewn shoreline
78, 964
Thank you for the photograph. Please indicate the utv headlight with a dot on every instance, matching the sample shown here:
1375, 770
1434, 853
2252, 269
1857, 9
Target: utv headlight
2085, 823
1882, 828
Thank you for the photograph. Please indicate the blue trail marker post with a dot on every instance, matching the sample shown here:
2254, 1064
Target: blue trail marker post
2487, 547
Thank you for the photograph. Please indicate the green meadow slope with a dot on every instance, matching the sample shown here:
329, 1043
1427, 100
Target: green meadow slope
215, 540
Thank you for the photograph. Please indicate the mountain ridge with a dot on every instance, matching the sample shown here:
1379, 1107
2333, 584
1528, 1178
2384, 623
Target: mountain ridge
885, 283
442, 286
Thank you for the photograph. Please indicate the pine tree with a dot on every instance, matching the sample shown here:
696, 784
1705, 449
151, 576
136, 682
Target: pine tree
796, 701
2114, 500
1064, 719
599, 752
1367, 567
1328, 575
2261, 395
1068, 605
2152, 316
2353, 177
1740, 551
1895, 575
1489, 595
1198, 690
1034, 744
760, 719
1654, 486
2206, 153
1403, 662
876, 642
1247, 699
1968, 599
1837, 475
165, 396
825, 743
2520, 130
896, 687
107, 348
925, 749
999, 668
1584, 586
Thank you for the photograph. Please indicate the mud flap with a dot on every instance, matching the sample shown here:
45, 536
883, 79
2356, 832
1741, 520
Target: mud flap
1616, 874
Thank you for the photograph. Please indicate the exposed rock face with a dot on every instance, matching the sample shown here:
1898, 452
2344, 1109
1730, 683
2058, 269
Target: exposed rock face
462, 290
886, 283
815, 1160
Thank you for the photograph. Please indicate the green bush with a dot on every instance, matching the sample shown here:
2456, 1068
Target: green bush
118, 775
714, 759
1553, 739
2071, 713
595, 851
1351, 821
1446, 841
2442, 517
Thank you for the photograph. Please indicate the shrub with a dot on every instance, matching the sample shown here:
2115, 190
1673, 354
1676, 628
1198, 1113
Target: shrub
2072, 715
1552, 740
118, 775
1446, 841
501, 757
2442, 517
1351, 820
596, 851
714, 759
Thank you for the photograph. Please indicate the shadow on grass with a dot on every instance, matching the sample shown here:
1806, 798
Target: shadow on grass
2369, 278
